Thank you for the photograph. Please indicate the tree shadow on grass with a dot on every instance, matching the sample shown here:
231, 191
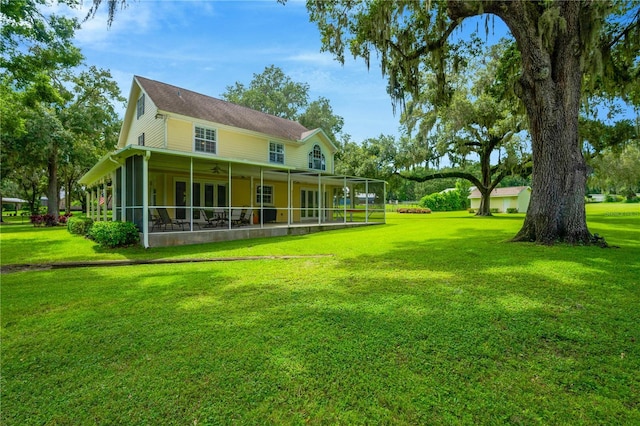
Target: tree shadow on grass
395, 338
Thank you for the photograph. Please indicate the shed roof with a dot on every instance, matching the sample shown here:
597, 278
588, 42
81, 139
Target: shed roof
511, 191
177, 100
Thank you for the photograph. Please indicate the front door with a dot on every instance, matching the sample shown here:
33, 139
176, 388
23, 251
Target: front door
309, 203
181, 199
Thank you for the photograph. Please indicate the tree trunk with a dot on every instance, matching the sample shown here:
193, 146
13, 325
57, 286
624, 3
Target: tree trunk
486, 188
53, 194
485, 202
551, 91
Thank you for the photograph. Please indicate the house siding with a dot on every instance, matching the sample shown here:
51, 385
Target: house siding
147, 123
299, 156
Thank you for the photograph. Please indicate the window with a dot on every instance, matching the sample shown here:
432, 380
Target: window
264, 194
276, 152
141, 140
205, 140
140, 107
316, 159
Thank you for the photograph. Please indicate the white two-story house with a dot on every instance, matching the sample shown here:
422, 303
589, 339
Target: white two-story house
191, 168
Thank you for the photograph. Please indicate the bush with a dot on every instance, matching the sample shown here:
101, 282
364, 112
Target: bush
79, 225
445, 201
494, 210
472, 211
512, 210
613, 198
43, 220
114, 234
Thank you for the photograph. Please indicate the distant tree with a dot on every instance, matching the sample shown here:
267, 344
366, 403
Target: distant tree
275, 93
272, 92
319, 114
618, 172
481, 120
37, 51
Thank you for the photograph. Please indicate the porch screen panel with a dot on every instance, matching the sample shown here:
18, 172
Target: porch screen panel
222, 196
195, 191
208, 195
134, 190
181, 199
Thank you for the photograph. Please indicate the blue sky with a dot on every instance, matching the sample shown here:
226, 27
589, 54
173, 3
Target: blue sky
206, 45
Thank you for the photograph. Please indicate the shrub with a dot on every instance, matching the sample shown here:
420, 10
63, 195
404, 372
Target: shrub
64, 218
43, 220
495, 210
613, 198
79, 225
472, 211
114, 234
445, 201
512, 210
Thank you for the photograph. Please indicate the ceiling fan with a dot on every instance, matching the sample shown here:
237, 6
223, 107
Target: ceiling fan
216, 169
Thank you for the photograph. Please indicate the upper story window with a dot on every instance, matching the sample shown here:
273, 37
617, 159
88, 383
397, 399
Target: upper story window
141, 140
140, 107
316, 159
276, 152
205, 140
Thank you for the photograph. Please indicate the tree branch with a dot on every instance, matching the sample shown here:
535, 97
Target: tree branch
444, 175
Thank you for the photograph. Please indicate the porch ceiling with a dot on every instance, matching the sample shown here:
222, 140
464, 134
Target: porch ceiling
172, 161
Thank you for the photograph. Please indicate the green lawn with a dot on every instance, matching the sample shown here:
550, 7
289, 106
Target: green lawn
430, 319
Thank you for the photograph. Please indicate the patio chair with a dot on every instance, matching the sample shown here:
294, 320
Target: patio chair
166, 219
157, 221
239, 217
212, 218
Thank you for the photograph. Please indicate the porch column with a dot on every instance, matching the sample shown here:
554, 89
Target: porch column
289, 199
262, 198
87, 196
145, 199
251, 201
320, 206
191, 193
105, 197
98, 209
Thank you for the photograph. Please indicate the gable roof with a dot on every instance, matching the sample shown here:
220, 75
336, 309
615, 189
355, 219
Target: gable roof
511, 191
185, 102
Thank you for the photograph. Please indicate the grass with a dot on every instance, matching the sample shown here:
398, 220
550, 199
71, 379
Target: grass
430, 319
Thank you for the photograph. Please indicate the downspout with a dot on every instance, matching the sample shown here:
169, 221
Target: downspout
230, 196
123, 193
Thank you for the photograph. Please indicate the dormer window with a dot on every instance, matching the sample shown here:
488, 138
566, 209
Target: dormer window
140, 107
316, 159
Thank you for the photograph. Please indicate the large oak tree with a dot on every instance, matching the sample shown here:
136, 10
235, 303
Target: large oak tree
560, 42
